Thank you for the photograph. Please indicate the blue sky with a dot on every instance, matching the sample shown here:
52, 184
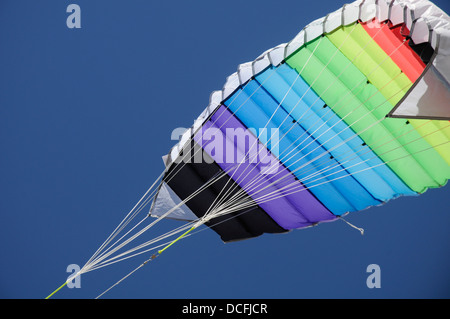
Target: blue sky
86, 115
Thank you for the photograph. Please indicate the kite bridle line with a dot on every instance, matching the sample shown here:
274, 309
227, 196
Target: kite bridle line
199, 222
56, 290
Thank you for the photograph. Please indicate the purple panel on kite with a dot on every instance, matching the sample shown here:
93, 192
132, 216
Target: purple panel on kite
237, 151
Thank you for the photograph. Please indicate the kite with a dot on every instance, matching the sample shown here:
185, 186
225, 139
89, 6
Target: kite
351, 113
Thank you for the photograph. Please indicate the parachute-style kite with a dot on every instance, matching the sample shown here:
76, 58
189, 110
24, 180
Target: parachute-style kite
351, 113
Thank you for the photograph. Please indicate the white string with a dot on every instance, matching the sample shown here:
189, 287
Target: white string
299, 100
123, 222
297, 188
362, 103
243, 159
351, 225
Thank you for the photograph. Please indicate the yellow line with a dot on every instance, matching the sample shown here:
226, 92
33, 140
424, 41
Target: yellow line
160, 251
56, 290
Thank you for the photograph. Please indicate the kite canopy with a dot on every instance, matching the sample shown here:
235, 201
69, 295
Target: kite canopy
351, 113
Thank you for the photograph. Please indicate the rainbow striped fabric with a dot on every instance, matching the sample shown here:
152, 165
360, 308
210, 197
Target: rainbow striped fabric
319, 133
